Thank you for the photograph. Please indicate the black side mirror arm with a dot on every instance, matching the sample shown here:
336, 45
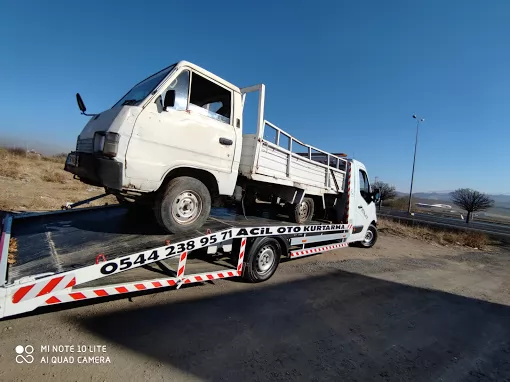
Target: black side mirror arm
82, 107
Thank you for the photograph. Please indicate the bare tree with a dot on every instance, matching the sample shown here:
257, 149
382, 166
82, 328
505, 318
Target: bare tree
386, 191
471, 200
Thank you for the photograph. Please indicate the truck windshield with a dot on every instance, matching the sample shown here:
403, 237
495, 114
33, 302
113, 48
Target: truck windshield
141, 90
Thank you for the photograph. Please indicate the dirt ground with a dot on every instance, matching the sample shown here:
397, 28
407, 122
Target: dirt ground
404, 310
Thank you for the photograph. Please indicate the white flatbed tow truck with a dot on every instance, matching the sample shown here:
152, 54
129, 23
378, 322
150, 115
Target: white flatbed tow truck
61, 257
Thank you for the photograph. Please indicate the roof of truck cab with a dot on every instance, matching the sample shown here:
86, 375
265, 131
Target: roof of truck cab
208, 74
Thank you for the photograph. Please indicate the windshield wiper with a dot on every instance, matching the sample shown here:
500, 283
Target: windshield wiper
129, 102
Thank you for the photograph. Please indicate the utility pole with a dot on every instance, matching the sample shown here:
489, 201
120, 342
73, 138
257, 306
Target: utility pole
418, 120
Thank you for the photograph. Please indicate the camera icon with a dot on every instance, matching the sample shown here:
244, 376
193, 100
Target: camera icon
24, 354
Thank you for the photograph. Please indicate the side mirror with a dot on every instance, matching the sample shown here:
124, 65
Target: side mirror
81, 104
169, 100
377, 195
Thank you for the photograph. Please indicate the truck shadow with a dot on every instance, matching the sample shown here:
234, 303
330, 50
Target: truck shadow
338, 326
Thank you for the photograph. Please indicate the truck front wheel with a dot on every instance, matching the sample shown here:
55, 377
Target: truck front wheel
370, 237
184, 205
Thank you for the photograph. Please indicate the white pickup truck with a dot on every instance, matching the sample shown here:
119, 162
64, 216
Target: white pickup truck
175, 142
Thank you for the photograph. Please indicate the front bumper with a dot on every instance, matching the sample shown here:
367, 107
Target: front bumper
94, 170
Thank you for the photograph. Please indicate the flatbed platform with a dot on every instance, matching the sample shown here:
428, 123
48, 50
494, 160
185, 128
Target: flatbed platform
62, 242
59, 257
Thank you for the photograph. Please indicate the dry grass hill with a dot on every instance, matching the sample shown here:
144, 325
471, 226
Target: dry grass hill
33, 182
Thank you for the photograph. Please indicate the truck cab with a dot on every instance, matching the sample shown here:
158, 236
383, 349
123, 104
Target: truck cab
174, 142
182, 122
181, 117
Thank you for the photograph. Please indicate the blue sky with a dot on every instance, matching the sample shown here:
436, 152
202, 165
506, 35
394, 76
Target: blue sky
345, 76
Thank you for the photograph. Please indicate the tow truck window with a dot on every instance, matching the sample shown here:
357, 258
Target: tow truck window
210, 99
364, 186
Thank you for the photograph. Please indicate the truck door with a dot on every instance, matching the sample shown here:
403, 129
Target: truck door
363, 206
197, 131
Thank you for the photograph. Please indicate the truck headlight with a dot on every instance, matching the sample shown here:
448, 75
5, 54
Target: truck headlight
111, 144
99, 139
106, 143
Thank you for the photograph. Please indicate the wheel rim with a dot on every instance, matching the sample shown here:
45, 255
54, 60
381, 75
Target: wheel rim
265, 259
186, 207
369, 237
303, 210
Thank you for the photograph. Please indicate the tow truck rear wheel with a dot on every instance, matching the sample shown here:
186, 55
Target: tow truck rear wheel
184, 205
262, 259
302, 213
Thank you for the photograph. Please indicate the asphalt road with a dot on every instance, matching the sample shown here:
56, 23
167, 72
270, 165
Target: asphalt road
491, 228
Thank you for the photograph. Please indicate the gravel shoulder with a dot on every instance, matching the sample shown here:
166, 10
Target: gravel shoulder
403, 310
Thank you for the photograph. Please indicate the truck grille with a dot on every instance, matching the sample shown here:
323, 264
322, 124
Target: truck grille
84, 145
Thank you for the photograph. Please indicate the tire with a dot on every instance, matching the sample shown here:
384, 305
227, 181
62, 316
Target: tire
302, 213
370, 237
183, 206
262, 259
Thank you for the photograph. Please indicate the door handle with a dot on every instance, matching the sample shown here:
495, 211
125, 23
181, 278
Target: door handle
226, 141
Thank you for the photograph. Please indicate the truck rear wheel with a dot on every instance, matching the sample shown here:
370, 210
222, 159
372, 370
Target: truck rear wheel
262, 259
184, 205
302, 213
